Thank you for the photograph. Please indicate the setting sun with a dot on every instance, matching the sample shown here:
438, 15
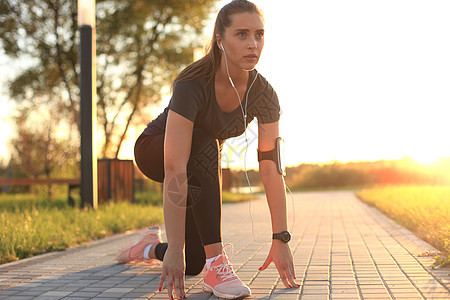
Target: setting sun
426, 158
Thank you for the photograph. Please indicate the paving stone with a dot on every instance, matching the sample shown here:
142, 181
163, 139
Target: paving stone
315, 289
17, 297
55, 294
345, 296
314, 297
84, 294
344, 290
30, 293
282, 297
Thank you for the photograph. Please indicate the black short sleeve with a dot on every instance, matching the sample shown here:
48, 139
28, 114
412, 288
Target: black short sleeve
266, 107
187, 98
196, 101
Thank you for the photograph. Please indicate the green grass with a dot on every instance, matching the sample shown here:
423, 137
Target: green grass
425, 210
31, 226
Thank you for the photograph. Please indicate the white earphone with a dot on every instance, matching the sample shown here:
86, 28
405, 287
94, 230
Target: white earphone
229, 77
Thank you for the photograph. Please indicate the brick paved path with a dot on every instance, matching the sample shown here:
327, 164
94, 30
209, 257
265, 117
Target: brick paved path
342, 248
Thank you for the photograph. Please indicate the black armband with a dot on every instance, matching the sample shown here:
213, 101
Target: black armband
276, 155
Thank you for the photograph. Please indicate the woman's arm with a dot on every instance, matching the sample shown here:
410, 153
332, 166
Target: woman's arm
280, 252
272, 180
177, 148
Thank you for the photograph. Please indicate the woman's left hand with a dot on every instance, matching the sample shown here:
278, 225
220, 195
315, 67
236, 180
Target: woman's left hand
280, 254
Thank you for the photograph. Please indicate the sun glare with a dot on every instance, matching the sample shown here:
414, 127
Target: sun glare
425, 158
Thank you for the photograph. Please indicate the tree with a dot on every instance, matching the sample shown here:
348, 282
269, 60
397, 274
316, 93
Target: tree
141, 44
39, 150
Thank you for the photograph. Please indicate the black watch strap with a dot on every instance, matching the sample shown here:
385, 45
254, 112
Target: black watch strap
283, 236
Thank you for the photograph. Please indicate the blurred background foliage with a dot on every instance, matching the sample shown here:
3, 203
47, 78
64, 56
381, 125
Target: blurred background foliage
141, 45
356, 175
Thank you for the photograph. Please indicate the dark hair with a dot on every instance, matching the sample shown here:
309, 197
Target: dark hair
208, 65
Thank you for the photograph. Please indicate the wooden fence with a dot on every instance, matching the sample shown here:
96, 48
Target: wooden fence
115, 181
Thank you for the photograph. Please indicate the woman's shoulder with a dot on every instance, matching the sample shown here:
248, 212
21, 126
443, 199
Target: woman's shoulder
262, 82
190, 91
192, 83
264, 104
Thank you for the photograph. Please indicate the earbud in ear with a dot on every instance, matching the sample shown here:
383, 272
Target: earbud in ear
221, 46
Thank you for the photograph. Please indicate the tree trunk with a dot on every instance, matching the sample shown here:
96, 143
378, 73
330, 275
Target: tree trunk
130, 117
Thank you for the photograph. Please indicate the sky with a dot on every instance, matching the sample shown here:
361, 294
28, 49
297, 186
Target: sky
356, 80
359, 80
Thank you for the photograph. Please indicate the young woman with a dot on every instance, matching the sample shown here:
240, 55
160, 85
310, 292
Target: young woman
213, 99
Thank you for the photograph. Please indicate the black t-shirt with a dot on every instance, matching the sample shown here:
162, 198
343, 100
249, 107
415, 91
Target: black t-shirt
196, 100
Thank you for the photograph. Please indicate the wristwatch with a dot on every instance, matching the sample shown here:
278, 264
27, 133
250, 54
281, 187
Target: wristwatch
283, 236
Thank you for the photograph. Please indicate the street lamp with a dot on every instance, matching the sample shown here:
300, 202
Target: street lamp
88, 103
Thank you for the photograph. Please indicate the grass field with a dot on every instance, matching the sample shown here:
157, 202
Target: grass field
31, 225
425, 210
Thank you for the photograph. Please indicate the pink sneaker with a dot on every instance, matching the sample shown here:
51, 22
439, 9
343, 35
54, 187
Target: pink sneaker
221, 280
134, 251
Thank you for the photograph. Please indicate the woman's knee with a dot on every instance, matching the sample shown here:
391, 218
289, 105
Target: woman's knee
149, 156
194, 269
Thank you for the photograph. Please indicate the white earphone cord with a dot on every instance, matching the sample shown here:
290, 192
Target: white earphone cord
244, 114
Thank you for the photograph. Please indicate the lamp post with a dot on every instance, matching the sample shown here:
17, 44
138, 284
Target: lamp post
88, 103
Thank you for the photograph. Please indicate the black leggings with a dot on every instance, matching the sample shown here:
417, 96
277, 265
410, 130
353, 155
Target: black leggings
204, 201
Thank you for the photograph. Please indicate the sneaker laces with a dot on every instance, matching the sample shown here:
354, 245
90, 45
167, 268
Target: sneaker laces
225, 270
231, 249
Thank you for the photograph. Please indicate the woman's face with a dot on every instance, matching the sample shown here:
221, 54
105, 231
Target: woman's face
244, 40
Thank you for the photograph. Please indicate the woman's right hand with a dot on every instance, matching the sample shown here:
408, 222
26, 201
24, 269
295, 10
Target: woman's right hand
173, 268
